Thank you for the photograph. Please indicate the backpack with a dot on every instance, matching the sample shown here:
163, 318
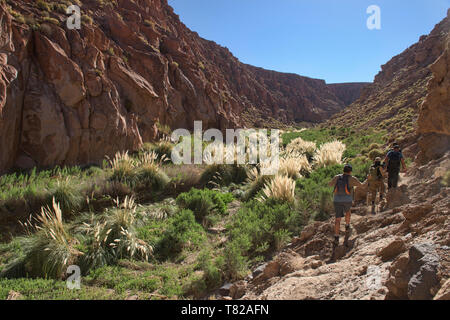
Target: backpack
342, 187
375, 173
394, 162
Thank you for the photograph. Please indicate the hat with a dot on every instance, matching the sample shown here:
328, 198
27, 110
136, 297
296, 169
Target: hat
348, 168
396, 145
378, 159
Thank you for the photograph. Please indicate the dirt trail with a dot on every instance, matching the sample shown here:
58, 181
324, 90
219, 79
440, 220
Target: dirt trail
401, 253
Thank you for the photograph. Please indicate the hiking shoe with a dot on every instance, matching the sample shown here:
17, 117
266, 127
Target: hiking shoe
348, 229
335, 242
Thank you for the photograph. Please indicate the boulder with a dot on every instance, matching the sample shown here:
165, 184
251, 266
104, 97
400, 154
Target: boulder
392, 250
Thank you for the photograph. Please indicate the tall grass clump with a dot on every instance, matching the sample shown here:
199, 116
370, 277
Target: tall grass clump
68, 195
163, 149
294, 166
48, 250
255, 182
223, 168
223, 175
280, 188
115, 237
330, 153
149, 173
302, 147
123, 168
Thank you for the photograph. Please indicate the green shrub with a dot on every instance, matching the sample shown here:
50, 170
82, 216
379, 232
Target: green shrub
256, 230
183, 232
51, 20
233, 263
153, 178
446, 179
204, 202
223, 175
115, 237
212, 273
163, 149
68, 195
44, 5
315, 192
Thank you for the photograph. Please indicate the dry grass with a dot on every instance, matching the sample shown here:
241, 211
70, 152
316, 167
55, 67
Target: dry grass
302, 147
280, 188
294, 166
329, 154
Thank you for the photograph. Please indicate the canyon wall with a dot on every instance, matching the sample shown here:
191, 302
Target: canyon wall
74, 96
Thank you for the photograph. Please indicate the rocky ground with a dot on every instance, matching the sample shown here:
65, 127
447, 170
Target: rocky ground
400, 253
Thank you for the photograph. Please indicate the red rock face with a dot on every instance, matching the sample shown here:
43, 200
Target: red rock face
74, 96
434, 115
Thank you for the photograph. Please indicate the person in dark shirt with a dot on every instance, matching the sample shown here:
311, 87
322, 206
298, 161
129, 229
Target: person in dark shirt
394, 160
343, 199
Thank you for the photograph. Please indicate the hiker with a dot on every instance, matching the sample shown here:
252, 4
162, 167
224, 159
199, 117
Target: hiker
376, 182
343, 199
394, 159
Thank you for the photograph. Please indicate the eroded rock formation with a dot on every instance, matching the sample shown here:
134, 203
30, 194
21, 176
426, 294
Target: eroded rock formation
73, 96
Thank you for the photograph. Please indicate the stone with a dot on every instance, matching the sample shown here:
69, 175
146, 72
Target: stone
392, 250
225, 289
423, 265
238, 289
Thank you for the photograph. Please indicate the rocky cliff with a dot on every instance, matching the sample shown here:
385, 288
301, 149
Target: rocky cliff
74, 96
434, 114
395, 98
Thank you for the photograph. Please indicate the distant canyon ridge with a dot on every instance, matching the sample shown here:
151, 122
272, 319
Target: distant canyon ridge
74, 96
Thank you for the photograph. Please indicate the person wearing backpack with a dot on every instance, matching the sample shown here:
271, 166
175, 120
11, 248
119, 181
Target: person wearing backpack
394, 160
376, 182
343, 199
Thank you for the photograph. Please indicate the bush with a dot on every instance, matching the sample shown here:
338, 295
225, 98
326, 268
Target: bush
294, 166
182, 232
182, 178
163, 150
302, 147
43, 5
211, 269
204, 202
223, 175
259, 228
49, 251
315, 192
123, 168
115, 237
68, 195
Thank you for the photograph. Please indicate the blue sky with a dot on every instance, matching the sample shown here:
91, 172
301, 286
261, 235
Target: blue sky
325, 39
